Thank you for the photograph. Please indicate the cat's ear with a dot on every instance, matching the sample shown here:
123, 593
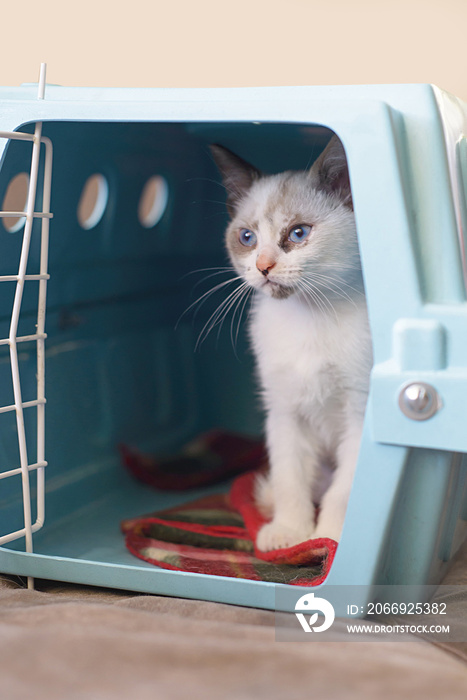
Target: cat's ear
237, 174
332, 172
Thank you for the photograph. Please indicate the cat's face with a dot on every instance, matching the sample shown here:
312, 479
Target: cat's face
292, 233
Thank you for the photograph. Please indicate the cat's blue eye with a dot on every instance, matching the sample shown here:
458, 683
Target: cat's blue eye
247, 237
299, 233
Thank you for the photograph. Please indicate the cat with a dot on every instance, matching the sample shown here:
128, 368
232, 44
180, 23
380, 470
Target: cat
292, 238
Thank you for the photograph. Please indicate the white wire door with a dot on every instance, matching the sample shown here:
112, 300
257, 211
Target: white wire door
20, 279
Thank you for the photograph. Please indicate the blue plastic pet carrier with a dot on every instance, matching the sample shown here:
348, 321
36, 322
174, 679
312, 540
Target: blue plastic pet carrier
124, 180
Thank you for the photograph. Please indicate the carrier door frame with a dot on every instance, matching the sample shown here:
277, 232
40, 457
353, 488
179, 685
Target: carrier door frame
20, 279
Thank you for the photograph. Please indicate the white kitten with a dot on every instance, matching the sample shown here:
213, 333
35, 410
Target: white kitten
292, 237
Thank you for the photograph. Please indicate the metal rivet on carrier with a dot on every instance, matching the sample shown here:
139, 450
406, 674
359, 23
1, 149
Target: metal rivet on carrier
419, 401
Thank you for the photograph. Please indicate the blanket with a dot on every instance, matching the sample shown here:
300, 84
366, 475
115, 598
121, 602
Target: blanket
217, 534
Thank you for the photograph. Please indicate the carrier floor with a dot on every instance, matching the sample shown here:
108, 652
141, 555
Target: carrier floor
93, 533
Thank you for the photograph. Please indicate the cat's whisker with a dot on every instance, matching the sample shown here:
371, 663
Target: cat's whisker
233, 304
349, 296
201, 299
223, 311
214, 182
340, 282
225, 186
311, 159
213, 214
315, 301
238, 301
208, 269
336, 293
207, 217
215, 274
243, 304
322, 295
305, 295
332, 286
327, 301
205, 179
318, 301
218, 315
334, 264
210, 323
210, 201
204, 297
311, 296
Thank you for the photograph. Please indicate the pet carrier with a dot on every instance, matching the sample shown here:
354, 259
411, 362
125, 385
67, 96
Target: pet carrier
124, 180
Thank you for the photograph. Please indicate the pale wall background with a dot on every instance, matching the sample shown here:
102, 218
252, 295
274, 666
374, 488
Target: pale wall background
150, 43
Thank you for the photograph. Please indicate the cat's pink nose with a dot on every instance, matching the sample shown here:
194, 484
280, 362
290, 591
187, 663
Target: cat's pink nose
265, 263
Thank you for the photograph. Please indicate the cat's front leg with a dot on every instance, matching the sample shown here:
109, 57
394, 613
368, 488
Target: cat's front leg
292, 468
334, 502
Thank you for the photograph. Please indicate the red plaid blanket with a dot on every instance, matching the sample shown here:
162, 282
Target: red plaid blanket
211, 457
216, 535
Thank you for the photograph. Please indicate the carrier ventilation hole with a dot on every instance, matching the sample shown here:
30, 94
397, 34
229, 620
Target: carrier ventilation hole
16, 197
153, 201
93, 201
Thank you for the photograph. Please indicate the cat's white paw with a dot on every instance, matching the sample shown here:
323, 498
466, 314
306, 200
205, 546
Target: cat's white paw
276, 535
